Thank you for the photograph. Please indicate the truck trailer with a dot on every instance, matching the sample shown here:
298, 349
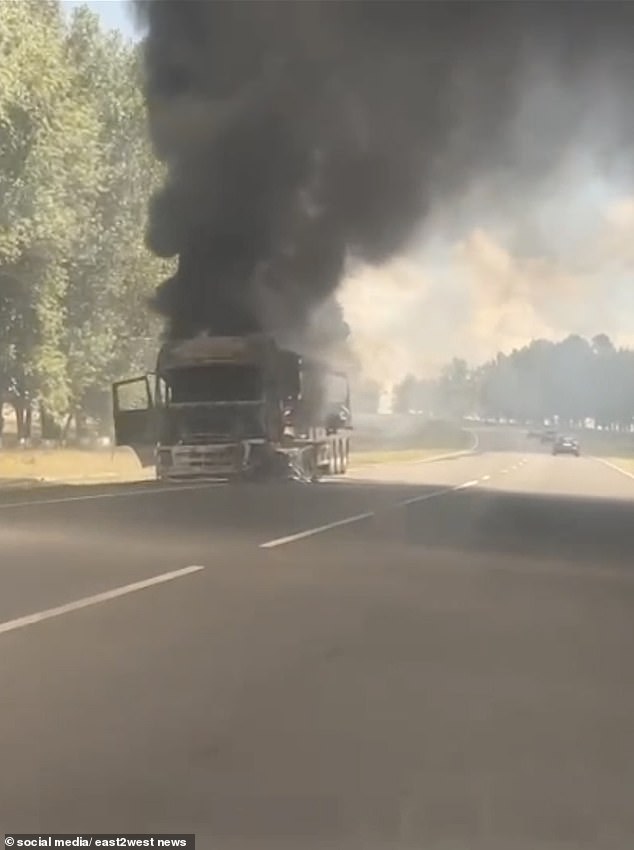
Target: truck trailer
235, 408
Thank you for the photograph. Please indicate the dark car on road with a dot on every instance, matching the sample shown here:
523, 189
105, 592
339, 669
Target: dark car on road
566, 446
548, 436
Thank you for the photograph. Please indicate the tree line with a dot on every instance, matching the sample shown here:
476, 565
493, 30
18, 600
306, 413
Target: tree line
569, 382
76, 172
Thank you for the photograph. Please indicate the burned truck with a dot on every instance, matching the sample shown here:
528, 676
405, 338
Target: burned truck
235, 408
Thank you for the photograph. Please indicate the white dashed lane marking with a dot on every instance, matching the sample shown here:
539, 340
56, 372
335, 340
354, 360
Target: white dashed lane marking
49, 613
311, 532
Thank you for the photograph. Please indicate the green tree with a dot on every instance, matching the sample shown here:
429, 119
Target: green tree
76, 172
110, 327
49, 171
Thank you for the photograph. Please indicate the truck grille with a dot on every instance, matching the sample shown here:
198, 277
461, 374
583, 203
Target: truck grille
206, 439
208, 424
192, 456
221, 462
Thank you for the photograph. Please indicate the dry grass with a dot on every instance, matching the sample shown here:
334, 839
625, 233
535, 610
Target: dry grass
90, 466
66, 464
606, 444
396, 456
624, 463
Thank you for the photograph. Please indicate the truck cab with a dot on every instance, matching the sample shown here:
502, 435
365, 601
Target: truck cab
229, 407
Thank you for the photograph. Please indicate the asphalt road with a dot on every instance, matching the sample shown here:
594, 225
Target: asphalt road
431, 655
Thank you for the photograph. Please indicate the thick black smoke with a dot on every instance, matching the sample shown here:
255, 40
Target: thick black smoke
301, 136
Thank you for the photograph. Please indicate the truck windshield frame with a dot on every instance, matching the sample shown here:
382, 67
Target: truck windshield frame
213, 383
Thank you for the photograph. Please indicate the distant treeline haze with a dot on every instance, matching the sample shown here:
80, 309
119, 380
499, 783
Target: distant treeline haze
574, 381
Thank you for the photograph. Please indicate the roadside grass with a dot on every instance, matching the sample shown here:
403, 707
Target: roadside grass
624, 463
38, 464
62, 464
429, 440
35, 465
398, 456
606, 444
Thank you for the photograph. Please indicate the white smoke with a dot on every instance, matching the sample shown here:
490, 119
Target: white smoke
477, 282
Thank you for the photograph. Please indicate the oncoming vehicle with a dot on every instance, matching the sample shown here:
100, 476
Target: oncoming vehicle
566, 446
235, 408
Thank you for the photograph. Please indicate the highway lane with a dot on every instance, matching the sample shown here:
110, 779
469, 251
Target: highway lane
62, 543
454, 666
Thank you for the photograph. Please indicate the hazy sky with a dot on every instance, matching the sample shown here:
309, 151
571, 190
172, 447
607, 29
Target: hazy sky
115, 14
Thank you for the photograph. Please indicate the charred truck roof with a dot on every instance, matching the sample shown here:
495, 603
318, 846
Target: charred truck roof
205, 349
255, 349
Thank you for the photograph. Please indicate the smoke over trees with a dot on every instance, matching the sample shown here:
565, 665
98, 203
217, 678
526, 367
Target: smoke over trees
573, 380
300, 140
302, 137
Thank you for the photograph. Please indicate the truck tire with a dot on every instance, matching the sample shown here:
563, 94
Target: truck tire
338, 456
333, 460
336, 448
344, 456
310, 465
341, 457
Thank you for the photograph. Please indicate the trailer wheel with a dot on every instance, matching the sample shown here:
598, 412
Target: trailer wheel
310, 465
336, 454
339, 456
344, 456
333, 460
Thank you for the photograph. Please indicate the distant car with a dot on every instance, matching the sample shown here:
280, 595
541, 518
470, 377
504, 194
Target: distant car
534, 435
566, 446
548, 436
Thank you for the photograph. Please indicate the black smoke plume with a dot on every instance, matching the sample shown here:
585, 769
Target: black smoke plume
303, 136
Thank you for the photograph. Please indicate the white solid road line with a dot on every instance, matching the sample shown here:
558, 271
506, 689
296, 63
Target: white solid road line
31, 619
464, 453
126, 494
466, 484
432, 459
310, 532
614, 467
426, 496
